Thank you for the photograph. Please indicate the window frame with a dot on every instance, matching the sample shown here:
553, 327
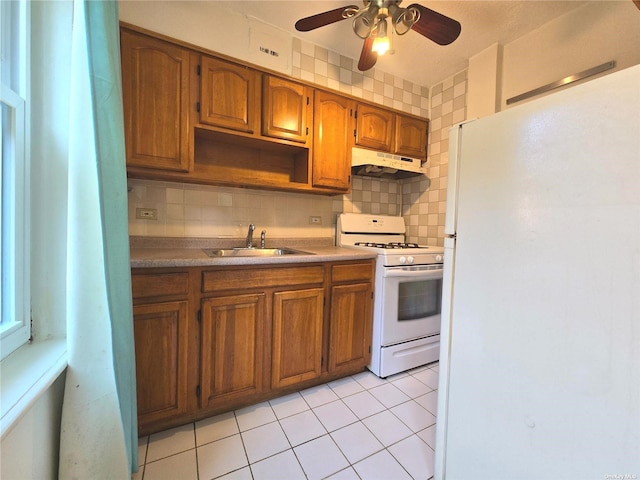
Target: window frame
15, 302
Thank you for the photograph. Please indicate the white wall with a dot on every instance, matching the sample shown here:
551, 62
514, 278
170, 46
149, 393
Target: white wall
484, 93
30, 450
586, 37
207, 25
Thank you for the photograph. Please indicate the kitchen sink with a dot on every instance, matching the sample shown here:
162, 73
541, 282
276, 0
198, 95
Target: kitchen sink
252, 252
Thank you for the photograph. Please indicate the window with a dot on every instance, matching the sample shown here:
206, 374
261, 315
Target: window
14, 176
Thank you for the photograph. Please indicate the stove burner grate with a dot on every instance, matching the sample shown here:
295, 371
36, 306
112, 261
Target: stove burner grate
388, 245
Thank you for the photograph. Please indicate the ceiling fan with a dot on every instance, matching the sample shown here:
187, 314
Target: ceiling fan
370, 22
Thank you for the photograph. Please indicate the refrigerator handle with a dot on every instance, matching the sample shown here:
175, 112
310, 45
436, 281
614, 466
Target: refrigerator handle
455, 136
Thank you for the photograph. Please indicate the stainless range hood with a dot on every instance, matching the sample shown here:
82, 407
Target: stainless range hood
370, 163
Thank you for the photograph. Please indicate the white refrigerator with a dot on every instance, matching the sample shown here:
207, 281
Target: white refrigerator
540, 340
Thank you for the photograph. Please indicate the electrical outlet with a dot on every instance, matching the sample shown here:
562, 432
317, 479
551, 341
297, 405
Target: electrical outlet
147, 213
315, 220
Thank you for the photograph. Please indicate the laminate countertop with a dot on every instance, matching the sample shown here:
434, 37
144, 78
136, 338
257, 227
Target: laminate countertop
162, 252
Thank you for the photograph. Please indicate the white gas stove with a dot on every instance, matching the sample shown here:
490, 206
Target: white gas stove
408, 291
386, 235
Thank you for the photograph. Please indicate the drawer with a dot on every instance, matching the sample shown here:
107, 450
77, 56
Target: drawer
352, 272
236, 279
159, 284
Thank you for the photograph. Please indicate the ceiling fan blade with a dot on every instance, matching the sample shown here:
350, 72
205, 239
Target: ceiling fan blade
322, 19
368, 57
435, 26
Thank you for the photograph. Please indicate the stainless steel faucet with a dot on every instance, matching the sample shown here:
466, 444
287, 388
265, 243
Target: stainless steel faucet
252, 227
263, 237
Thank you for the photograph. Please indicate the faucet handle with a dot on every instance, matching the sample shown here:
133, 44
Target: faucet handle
263, 236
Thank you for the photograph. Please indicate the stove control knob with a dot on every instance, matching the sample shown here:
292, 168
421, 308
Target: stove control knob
409, 259
439, 258
402, 260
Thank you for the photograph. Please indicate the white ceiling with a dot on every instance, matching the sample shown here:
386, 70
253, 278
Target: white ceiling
416, 58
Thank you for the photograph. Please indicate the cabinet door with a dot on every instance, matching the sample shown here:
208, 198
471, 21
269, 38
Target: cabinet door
286, 109
332, 141
160, 333
232, 339
155, 90
229, 95
297, 336
411, 137
374, 128
351, 324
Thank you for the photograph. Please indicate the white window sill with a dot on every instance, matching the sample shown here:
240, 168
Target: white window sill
27, 373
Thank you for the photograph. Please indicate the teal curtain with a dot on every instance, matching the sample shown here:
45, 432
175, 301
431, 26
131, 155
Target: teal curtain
103, 40
98, 435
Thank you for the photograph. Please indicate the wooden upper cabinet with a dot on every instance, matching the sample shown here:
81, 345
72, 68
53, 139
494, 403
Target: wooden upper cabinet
155, 90
229, 95
386, 131
374, 128
286, 109
411, 137
191, 116
333, 129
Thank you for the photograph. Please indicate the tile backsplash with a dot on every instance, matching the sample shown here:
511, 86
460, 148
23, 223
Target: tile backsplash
329, 69
187, 210
424, 200
373, 195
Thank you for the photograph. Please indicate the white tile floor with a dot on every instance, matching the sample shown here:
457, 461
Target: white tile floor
358, 427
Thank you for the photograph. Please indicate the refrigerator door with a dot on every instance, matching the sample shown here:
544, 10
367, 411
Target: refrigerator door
445, 351
541, 376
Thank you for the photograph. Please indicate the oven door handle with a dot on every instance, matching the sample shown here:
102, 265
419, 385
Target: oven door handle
417, 272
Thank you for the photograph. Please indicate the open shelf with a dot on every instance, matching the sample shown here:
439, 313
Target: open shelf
226, 159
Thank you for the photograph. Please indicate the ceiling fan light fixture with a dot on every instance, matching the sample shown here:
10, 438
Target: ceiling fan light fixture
381, 42
370, 24
363, 24
381, 45
405, 19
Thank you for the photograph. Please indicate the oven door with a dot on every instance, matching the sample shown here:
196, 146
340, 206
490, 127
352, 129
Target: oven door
411, 302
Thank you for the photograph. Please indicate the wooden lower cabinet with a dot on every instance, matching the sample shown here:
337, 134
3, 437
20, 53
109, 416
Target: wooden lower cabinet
210, 340
297, 336
351, 315
350, 344
161, 361
232, 339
